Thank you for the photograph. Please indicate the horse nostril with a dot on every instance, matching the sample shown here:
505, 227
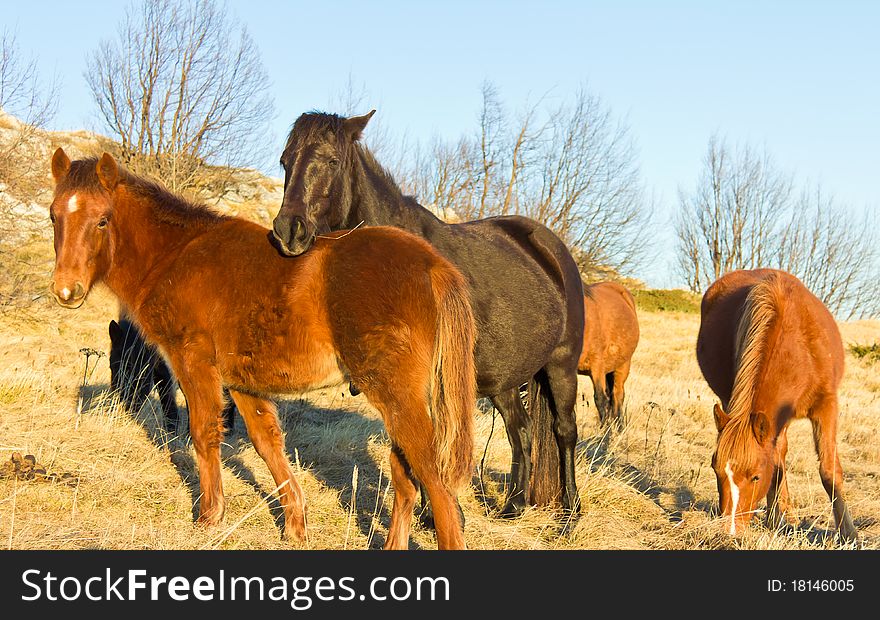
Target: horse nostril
300, 232
78, 290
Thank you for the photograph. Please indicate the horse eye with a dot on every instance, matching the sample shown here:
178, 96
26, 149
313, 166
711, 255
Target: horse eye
755, 478
334, 162
102, 223
52, 217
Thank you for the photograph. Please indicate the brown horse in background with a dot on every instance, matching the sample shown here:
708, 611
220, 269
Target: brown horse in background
377, 306
771, 352
611, 334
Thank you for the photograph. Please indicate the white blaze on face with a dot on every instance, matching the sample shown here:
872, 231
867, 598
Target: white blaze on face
734, 497
71, 204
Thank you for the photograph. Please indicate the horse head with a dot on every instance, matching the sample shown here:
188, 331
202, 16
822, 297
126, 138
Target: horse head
81, 213
318, 166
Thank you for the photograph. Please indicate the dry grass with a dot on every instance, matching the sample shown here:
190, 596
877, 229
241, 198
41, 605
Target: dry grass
649, 487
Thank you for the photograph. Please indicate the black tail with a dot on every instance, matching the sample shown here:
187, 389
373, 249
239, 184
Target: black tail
546, 484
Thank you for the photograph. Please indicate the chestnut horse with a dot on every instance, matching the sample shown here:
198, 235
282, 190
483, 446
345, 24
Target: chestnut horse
771, 352
611, 334
376, 306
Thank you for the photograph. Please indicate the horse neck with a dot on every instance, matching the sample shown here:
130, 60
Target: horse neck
140, 244
378, 201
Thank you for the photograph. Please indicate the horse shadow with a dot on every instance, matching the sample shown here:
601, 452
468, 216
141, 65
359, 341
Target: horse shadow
305, 425
305, 433
596, 452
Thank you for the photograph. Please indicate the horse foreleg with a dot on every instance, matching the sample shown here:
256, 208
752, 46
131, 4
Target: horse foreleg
404, 500
777, 496
261, 419
516, 421
201, 387
825, 437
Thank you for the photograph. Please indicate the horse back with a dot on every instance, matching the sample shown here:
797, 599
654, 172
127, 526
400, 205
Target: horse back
611, 327
807, 333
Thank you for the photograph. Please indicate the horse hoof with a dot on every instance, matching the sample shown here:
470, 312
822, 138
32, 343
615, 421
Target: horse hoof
208, 521
571, 508
296, 535
513, 509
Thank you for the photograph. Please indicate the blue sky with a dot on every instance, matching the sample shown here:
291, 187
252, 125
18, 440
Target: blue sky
799, 78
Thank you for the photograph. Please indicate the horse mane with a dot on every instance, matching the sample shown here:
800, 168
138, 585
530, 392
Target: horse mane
167, 206
763, 305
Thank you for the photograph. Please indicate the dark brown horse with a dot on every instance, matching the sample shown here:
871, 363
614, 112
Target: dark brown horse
611, 334
377, 306
525, 288
772, 353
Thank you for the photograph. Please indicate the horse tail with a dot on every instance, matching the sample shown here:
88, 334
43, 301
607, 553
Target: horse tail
453, 378
546, 482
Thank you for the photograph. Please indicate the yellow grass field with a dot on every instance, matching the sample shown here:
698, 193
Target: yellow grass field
650, 487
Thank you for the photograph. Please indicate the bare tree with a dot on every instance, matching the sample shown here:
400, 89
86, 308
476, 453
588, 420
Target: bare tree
572, 168
834, 251
31, 104
27, 104
181, 87
745, 214
589, 189
732, 218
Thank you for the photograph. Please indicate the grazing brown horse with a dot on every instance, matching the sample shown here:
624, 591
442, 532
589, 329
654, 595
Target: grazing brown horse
771, 352
376, 306
611, 334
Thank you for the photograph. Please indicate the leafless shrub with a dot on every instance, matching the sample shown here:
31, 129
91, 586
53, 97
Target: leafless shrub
30, 104
572, 168
745, 213
181, 87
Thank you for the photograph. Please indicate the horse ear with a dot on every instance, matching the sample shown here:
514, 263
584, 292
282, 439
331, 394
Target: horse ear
760, 427
115, 331
60, 165
354, 126
108, 172
721, 418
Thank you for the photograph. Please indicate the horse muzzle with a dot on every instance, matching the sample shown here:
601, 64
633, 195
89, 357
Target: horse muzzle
293, 238
69, 297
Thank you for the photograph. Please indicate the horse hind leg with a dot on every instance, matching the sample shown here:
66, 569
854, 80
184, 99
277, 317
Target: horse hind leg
562, 380
165, 388
825, 437
408, 423
618, 394
600, 396
228, 415
261, 419
404, 499
516, 421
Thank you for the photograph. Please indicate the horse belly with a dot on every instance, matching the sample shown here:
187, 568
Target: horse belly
286, 374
